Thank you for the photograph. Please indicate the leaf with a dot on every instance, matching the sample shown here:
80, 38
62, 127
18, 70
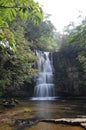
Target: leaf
23, 15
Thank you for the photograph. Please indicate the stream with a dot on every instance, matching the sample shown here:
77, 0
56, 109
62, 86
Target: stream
57, 109
60, 108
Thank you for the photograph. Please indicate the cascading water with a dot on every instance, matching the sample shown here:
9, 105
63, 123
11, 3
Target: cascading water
44, 83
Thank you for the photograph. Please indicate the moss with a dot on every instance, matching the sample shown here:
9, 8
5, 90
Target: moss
26, 113
5, 127
27, 109
10, 115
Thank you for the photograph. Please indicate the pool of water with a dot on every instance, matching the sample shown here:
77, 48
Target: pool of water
58, 108
51, 109
50, 126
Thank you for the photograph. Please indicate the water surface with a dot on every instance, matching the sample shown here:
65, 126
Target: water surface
50, 126
57, 109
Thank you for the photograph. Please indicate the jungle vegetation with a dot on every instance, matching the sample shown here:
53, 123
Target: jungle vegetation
25, 28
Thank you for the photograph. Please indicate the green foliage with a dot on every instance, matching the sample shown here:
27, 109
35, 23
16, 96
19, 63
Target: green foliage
41, 35
16, 57
24, 58
3, 24
70, 69
16, 68
6, 36
10, 9
82, 59
25, 8
77, 37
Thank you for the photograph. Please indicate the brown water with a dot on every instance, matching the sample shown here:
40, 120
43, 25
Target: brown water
51, 126
57, 109
48, 110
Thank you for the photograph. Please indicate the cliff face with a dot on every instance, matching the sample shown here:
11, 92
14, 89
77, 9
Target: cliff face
68, 73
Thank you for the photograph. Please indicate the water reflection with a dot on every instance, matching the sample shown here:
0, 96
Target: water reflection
44, 109
58, 108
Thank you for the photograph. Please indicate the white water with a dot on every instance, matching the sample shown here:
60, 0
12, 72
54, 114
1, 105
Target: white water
44, 88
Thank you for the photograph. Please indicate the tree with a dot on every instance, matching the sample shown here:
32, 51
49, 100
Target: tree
70, 64
9, 10
16, 68
42, 35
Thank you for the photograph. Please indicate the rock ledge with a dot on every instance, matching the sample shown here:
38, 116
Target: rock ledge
68, 121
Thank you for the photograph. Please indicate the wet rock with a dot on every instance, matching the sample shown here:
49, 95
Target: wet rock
10, 102
83, 125
22, 123
68, 121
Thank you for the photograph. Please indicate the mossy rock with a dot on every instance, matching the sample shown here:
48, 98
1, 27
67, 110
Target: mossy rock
10, 103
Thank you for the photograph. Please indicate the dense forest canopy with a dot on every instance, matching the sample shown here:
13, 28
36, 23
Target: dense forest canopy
24, 28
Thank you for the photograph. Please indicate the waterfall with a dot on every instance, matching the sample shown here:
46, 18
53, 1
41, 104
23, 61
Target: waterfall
44, 82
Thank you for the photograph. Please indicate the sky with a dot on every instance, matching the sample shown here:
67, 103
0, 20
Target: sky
63, 11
